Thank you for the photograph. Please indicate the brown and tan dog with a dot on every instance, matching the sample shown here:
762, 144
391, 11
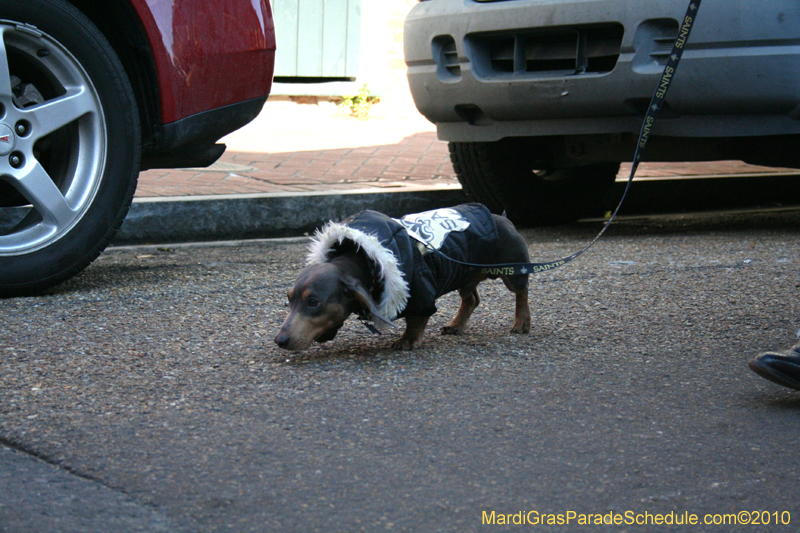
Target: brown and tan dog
381, 268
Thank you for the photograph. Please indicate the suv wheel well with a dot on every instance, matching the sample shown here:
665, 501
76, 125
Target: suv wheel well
119, 22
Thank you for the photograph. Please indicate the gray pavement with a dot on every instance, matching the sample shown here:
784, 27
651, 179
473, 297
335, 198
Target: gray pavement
38, 496
154, 379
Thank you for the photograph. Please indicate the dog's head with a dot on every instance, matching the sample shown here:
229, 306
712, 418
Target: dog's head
319, 302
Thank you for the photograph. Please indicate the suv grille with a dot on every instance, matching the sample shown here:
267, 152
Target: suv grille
546, 53
445, 54
653, 43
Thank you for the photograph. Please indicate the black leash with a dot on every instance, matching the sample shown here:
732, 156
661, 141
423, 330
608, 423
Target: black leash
512, 269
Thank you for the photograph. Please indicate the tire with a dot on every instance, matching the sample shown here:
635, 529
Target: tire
513, 175
68, 107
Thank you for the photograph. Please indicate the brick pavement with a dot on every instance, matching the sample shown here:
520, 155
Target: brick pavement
419, 158
294, 148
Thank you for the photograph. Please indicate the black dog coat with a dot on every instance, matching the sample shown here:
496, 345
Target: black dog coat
407, 277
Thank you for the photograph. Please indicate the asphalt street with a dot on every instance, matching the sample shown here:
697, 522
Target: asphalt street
147, 394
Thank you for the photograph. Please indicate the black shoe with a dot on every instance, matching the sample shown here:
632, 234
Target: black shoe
782, 368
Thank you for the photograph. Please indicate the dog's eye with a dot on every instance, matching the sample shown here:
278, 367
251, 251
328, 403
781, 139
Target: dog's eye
312, 302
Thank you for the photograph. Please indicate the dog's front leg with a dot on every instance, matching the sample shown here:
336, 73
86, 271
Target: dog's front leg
412, 338
459, 323
469, 301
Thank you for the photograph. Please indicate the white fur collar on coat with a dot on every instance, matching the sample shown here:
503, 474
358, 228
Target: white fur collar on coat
395, 288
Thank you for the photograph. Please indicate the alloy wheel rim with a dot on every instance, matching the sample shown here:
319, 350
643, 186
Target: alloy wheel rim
52, 117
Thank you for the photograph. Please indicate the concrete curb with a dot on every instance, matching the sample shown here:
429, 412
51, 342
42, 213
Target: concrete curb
256, 216
252, 216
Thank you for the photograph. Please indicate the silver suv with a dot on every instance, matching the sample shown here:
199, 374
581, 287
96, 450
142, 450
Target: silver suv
540, 100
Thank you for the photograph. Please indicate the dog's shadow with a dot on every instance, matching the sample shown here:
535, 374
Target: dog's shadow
365, 353
378, 351
353, 346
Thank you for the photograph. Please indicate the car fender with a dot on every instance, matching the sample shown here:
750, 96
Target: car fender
204, 59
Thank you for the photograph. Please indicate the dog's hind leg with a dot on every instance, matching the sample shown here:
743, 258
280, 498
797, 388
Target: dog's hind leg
515, 250
522, 312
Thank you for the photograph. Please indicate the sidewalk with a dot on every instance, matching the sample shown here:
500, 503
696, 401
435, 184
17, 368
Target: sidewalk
297, 165
293, 148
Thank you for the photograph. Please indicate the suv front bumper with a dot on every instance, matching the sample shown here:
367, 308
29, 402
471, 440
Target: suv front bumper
483, 71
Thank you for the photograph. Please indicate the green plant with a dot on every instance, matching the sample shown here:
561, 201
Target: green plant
359, 104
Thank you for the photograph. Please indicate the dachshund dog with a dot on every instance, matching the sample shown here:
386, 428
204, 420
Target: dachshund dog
380, 269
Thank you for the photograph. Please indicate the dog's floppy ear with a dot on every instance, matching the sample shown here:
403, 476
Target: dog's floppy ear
366, 302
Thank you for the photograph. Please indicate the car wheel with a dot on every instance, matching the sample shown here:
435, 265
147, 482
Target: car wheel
69, 144
514, 175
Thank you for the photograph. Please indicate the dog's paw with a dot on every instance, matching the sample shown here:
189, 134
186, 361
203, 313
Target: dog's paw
521, 328
452, 330
405, 344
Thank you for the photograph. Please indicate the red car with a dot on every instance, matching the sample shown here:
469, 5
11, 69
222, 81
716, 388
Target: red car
93, 92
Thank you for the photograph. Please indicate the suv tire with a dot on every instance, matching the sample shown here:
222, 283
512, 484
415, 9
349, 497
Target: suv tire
513, 175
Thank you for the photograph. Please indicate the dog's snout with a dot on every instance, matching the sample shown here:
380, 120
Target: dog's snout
282, 340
